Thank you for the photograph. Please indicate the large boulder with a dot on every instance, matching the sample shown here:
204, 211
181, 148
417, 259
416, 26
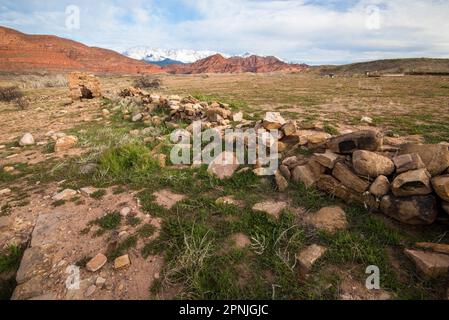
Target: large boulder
412, 183
371, 164
414, 210
361, 140
330, 185
83, 86
407, 162
441, 186
434, 156
349, 178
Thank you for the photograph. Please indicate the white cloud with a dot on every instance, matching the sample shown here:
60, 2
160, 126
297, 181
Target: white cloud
296, 30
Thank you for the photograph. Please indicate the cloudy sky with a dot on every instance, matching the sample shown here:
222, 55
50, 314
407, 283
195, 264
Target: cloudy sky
311, 31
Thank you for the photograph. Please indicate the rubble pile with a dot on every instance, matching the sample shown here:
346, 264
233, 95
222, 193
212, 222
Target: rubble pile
408, 182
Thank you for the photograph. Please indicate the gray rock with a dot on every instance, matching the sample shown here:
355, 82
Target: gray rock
27, 140
33, 259
361, 140
415, 210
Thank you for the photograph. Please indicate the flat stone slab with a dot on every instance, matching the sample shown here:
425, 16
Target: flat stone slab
167, 199
47, 227
429, 263
273, 208
328, 219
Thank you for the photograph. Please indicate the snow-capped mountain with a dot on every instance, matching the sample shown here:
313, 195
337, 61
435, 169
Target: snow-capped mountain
165, 57
168, 55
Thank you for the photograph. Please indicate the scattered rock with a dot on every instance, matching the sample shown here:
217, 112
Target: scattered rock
124, 212
228, 201
380, 187
237, 117
122, 262
328, 219
65, 143
371, 164
362, 140
8, 169
67, 194
137, 117
27, 140
273, 121
434, 156
224, 165
100, 282
308, 257
305, 175
349, 178
5, 191
407, 162
441, 186
327, 159
437, 247
368, 120
271, 207
431, 264
241, 240
88, 191
90, 291
281, 182
411, 183
167, 199
414, 210
88, 168
96, 263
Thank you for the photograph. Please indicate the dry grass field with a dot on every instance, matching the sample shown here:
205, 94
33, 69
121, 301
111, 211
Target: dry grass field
194, 249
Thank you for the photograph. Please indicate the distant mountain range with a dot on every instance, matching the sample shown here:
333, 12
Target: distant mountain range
21, 52
164, 57
167, 56
219, 64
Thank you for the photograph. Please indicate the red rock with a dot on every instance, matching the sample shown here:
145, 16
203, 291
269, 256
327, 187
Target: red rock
22, 52
219, 64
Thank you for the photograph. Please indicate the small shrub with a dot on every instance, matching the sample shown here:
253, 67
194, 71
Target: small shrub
99, 194
110, 221
146, 82
22, 103
8, 94
43, 81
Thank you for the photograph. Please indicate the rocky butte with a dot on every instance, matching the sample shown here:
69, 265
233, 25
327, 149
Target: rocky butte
21, 52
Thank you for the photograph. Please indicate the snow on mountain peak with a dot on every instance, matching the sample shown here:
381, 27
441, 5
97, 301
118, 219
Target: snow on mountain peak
158, 55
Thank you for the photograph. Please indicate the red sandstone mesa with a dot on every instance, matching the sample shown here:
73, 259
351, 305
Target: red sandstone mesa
20, 52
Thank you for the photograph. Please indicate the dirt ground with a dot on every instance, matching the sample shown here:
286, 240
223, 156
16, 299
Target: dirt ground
409, 106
